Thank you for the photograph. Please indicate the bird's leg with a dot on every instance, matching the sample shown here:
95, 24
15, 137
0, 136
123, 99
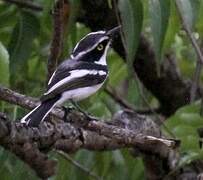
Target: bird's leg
66, 110
80, 109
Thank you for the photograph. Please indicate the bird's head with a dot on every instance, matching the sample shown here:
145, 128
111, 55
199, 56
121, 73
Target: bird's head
94, 46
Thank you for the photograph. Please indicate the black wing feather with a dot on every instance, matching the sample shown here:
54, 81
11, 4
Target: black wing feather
63, 71
88, 80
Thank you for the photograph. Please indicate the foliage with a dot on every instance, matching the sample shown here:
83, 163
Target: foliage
159, 11
25, 38
133, 11
4, 64
184, 125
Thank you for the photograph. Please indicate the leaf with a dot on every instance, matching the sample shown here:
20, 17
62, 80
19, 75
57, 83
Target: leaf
189, 157
184, 124
20, 46
189, 10
195, 9
8, 13
110, 4
131, 12
173, 27
4, 65
199, 25
118, 70
159, 11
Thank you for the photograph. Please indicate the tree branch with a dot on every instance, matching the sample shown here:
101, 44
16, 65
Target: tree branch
27, 142
60, 14
27, 102
126, 130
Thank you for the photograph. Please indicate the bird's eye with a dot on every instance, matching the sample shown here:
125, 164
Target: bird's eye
100, 47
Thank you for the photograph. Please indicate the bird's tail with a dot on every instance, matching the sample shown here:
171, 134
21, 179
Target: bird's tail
38, 114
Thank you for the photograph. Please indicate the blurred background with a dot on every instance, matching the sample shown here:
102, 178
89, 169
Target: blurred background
26, 32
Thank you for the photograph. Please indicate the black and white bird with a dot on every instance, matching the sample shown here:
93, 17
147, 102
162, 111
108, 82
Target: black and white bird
77, 77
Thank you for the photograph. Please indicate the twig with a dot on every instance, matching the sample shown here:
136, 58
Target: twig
78, 165
57, 41
189, 32
114, 95
25, 101
149, 106
25, 4
201, 107
196, 80
123, 103
197, 50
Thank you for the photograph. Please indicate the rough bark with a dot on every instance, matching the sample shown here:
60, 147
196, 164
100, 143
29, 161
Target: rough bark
32, 144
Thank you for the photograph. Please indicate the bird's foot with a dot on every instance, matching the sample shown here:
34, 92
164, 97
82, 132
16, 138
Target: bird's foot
86, 114
67, 110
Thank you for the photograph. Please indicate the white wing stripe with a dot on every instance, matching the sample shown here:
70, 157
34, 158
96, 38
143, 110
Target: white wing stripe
75, 74
51, 77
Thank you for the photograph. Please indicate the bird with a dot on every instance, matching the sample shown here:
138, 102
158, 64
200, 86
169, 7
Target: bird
78, 77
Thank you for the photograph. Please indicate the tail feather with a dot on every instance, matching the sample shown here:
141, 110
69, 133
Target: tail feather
38, 114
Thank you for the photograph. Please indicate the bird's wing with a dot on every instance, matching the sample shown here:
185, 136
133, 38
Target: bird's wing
61, 72
72, 75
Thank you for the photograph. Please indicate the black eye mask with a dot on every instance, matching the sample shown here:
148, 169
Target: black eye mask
87, 43
95, 54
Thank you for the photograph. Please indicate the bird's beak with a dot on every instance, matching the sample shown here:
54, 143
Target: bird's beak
112, 33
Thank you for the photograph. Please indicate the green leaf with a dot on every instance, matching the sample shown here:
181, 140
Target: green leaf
189, 10
184, 124
195, 4
186, 11
110, 4
159, 11
189, 157
20, 46
4, 65
118, 70
173, 27
199, 24
8, 13
131, 12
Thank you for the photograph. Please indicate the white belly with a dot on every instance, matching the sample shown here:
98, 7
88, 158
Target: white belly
79, 94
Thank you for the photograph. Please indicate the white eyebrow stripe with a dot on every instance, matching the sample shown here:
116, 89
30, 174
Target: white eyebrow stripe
97, 32
75, 74
81, 53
